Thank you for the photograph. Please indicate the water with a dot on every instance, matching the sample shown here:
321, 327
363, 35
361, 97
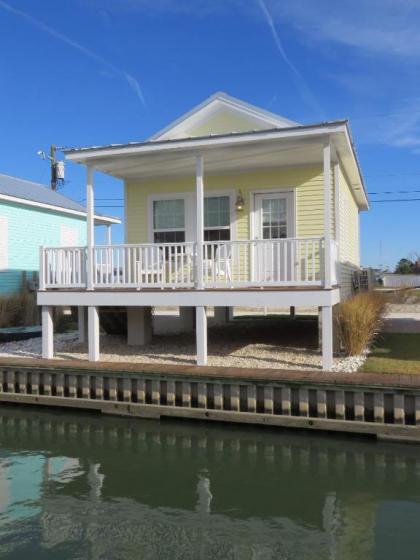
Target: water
82, 486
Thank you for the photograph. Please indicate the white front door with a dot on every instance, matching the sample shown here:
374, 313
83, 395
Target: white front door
273, 220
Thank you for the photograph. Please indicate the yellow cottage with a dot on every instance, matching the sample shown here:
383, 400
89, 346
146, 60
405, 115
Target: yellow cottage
229, 205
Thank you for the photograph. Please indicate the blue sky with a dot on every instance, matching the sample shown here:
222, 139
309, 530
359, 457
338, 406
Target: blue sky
89, 72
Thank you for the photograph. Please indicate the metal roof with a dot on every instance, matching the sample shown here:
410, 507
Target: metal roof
35, 192
206, 137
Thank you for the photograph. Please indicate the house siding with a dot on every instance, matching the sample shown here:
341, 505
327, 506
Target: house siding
225, 122
349, 250
28, 229
306, 182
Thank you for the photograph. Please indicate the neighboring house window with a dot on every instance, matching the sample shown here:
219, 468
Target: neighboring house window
217, 218
4, 243
169, 221
69, 236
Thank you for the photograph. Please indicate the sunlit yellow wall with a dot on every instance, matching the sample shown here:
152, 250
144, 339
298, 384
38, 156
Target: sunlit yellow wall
306, 182
349, 251
224, 122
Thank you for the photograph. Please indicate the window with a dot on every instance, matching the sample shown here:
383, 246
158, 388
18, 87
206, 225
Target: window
69, 236
4, 242
217, 218
274, 218
169, 221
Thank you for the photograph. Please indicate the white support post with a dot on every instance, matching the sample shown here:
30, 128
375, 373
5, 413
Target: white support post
337, 202
201, 335
93, 333
199, 203
47, 332
108, 239
90, 225
327, 338
327, 215
81, 323
41, 276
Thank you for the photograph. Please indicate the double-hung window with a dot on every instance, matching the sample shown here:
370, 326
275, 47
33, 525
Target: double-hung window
169, 221
217, 218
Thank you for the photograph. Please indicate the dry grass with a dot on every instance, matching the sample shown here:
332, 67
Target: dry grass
359, 320
18, 310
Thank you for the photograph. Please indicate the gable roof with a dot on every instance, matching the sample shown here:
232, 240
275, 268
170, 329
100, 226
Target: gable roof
261, 118
23, 191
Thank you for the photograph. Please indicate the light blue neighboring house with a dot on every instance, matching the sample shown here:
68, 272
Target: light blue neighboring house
33, 215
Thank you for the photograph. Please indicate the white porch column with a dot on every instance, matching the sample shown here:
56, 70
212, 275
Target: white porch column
201, 335
327, 337
93, 333
47, 332
199, 203
108, 235
327, 214
90, 225
81, 323
139, 326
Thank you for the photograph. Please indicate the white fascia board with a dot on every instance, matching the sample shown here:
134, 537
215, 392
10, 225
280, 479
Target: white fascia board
99, 219
356, 162
84, 155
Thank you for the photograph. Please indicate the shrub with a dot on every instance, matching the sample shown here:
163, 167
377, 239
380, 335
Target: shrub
359, 320
18, 310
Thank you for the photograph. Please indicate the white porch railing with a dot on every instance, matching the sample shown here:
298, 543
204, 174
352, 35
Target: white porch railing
245, 263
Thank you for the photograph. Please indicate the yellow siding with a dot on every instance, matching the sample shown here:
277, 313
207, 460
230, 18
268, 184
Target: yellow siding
349, 252
224, 122
306, 182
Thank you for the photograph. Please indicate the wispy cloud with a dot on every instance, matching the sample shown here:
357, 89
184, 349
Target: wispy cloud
130, 80
377, 26
304, 89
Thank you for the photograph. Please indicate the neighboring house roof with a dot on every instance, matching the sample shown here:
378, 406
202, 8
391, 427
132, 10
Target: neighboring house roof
15, 189
218, 103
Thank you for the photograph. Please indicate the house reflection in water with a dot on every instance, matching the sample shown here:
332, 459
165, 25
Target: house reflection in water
112, 488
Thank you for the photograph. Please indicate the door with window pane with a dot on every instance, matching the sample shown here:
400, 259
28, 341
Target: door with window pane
272, 221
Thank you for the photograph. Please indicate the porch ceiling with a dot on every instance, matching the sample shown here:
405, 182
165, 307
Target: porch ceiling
217, 160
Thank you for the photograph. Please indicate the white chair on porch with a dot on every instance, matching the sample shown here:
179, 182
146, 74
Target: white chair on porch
219, 268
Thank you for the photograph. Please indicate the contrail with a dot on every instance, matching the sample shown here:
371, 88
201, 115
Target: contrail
131, 81
305, 91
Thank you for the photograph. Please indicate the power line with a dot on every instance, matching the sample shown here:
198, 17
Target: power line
396, 200
395, 192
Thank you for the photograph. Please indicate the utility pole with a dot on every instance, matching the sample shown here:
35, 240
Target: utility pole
57, 167
53, 168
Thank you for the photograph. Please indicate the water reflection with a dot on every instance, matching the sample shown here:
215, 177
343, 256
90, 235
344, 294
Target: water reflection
96, 487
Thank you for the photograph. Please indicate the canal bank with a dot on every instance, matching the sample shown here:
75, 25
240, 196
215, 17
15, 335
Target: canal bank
385, 406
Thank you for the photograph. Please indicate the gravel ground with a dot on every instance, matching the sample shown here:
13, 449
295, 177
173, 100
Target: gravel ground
403, 308
224, 349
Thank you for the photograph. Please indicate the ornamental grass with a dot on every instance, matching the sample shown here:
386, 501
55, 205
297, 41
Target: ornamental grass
359, 320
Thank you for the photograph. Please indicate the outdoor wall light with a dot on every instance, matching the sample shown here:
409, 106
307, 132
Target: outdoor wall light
239, 201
